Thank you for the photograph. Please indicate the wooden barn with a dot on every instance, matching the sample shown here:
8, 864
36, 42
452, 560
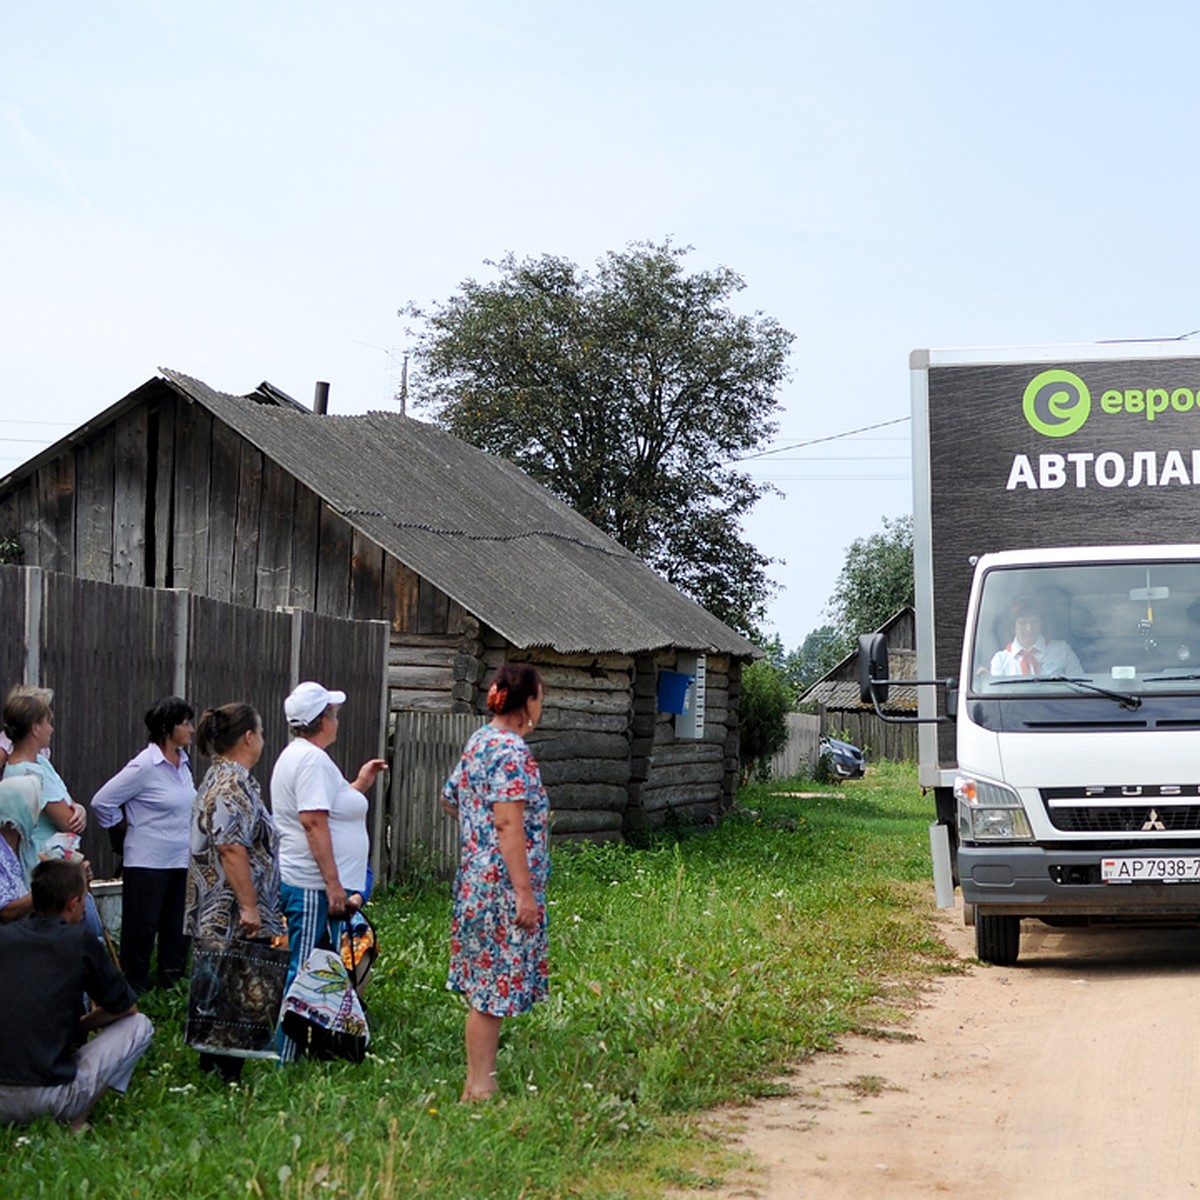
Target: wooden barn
258, 501
842, 713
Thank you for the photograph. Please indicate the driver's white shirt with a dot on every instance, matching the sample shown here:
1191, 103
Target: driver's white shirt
1050, 658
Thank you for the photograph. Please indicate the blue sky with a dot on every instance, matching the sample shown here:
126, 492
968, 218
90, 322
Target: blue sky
251, 191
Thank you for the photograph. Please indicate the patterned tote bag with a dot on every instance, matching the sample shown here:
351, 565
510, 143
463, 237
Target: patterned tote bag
322, 1012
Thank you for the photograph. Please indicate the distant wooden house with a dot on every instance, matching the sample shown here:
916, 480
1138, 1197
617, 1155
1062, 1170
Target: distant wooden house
842, 713
258, 501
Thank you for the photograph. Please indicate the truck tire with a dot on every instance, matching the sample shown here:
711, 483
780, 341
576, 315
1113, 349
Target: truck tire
997, 939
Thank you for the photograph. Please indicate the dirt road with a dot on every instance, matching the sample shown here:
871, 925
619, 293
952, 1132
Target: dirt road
1075, 1074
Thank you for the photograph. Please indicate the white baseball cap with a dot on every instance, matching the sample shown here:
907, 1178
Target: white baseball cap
308, 701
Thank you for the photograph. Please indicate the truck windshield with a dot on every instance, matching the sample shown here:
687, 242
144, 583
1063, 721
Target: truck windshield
1131, 629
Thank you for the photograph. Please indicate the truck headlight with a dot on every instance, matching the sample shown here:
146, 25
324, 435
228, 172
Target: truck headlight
989, 812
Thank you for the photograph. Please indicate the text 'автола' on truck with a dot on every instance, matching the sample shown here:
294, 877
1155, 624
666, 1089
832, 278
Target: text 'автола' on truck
1056, 512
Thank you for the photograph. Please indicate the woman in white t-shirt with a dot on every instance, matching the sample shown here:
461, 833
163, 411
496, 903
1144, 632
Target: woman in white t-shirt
321, 819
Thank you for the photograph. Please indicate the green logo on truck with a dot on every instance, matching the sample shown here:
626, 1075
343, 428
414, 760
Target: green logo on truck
1057, 403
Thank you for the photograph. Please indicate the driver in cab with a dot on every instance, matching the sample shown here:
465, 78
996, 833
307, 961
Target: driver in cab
1030, 653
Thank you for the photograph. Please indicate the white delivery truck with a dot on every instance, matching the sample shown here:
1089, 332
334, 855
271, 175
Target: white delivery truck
1057, 558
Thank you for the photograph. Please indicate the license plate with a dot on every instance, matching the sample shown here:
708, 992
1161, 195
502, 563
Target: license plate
1175, 869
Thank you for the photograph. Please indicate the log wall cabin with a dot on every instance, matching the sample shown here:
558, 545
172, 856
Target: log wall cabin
258, 501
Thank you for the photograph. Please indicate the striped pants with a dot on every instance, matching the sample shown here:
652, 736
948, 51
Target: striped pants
307, 913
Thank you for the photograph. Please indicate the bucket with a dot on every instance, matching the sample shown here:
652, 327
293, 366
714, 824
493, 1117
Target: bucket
672, 691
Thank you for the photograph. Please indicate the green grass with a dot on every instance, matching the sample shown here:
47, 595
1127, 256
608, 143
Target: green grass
685, 974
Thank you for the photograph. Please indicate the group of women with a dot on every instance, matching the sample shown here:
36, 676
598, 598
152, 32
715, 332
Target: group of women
213, 863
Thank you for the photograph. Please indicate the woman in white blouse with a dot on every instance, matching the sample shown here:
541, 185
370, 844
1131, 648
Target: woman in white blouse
152, 797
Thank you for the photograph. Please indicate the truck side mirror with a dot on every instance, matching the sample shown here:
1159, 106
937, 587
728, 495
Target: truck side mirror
872, 666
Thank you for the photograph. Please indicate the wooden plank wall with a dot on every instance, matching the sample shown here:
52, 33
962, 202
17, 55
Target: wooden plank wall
168, 496
109, 652
237, 654
12, 647
350, 656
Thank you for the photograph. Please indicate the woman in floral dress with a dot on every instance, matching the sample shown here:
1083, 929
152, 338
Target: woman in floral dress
498, 930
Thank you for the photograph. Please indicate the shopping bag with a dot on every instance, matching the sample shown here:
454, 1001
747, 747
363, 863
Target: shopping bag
234, 997
360, 948
322, 1013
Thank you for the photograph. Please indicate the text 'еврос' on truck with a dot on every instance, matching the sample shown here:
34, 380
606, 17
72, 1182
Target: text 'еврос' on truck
1056, 507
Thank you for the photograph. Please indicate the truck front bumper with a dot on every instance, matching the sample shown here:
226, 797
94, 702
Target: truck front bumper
1037, 881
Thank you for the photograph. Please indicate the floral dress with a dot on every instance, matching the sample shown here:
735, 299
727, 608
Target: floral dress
500, 968
228, 811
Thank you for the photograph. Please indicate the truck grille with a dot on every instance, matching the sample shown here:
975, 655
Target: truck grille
1153, 810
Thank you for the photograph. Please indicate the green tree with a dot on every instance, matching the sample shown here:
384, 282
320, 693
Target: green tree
876, 580
629, 392
762, 716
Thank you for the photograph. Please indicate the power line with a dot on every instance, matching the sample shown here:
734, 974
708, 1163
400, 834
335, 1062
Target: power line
835, 479
833, 437
846, 458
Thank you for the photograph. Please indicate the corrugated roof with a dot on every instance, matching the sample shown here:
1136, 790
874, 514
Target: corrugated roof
842, 696
477, 527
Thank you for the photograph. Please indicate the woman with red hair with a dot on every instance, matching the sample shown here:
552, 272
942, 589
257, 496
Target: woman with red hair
498, 955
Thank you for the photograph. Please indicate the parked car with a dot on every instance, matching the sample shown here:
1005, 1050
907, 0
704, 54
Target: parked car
846, 760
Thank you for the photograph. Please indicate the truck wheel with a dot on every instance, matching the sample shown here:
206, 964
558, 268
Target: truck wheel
997, 939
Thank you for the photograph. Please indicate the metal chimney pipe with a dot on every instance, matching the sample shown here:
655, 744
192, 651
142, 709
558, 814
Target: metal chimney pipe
321, 399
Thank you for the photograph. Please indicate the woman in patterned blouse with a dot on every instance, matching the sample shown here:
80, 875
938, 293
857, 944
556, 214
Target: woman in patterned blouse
498, 931
233, 871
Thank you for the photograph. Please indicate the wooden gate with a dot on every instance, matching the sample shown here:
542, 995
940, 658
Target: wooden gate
420, 836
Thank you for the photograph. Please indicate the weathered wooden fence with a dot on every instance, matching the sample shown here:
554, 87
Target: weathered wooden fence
799, 756
878, 739
420, 836
110, 651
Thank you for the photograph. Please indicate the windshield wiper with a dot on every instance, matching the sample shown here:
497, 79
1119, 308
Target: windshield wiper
1123, 699
1169, 678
